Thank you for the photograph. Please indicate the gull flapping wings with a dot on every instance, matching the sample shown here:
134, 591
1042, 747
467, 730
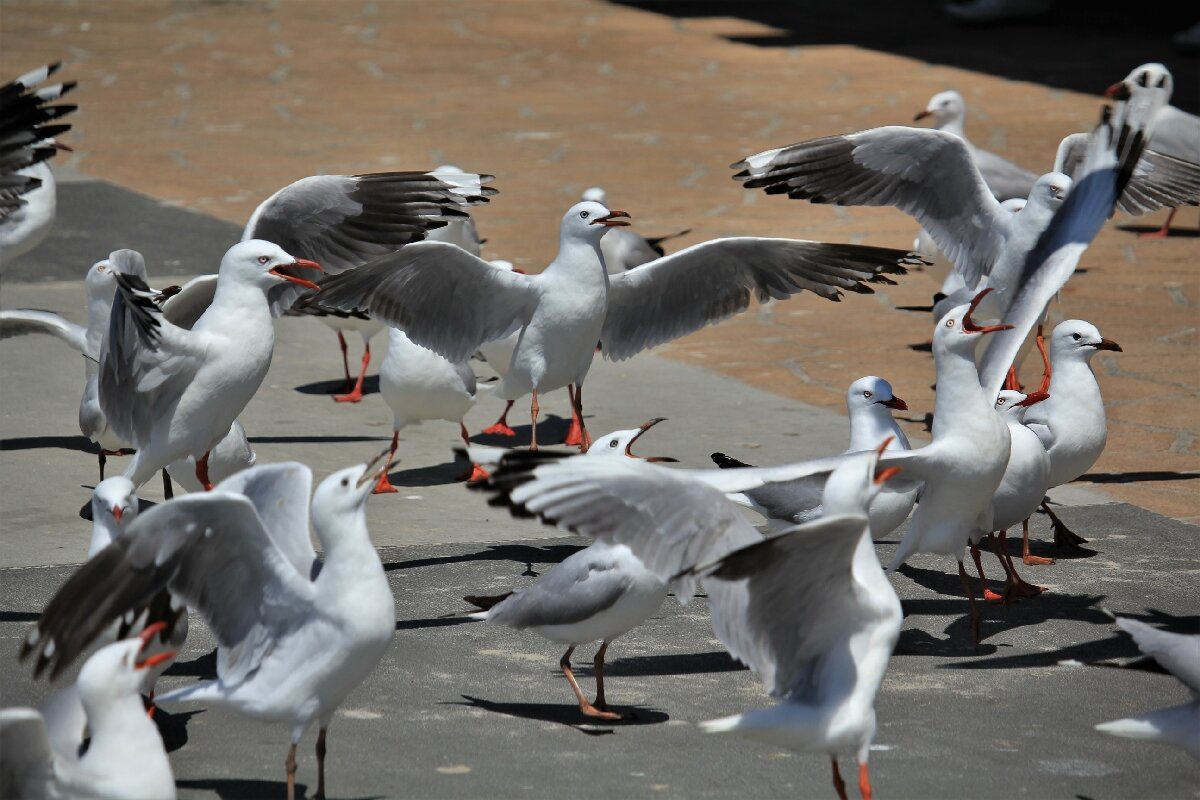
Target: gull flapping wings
928, 174
22, 321
1177, 653
1158, 181
26, 135
443, 297
708, 282
218, 551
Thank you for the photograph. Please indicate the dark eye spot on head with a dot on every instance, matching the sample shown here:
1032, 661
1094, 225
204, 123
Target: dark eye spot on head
867, 393
345, 481
949, 323
1162, 82
263, 259
583, 215
1076, 336
1143, 79
1000, 402
613, 443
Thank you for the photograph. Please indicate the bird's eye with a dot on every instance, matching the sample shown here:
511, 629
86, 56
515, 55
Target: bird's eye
866, 393
949, 323
1162, 82
1054, 188
1000, 402
613, 443
1143, 79
263, 259
1076, 336
345, 481
584, 215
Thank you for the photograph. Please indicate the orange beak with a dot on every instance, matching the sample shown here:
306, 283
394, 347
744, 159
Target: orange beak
883, 445
117, 512
155, 660
302, 263
1033, 398
969, 325
1118, 91
895, 403
884, 474
922, 115
614, 219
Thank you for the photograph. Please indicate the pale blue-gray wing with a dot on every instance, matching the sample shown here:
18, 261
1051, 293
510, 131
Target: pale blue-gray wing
185, 307
443, 297
1158, 181
708, 282
1006, 179
582, 585
24, 321
281, 494
928, 174
1177, 653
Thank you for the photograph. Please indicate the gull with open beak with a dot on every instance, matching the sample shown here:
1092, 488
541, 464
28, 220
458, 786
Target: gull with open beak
125, 757
295, 635
172, 392
452, 302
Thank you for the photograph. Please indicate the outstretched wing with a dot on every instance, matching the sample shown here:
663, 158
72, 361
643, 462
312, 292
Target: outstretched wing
443, 297
22, 321
708, 282
281, 494
27, 130
1177, 653
1158, 181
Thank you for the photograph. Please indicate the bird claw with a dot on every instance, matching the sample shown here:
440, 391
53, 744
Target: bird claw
354, 396
1037, 561
499, 429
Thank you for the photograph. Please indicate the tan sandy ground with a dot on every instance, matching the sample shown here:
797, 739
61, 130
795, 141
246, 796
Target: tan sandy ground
214, 105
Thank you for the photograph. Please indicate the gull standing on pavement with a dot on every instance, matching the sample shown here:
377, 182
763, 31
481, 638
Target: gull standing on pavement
295, 636
452, 302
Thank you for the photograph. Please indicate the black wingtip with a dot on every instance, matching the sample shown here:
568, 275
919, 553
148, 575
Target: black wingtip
727, 462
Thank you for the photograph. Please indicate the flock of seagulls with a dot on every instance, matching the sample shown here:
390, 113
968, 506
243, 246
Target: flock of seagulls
804, 602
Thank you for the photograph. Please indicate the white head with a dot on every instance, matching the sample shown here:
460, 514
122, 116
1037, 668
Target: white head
99, 281
1011, 405
115, 502
957, 332
1077, 340
1048, 192
588, 221
947, 106
852, 486
263, 264
1152, 77
344, 493
872, 395
620, 443
595, 194
115, 672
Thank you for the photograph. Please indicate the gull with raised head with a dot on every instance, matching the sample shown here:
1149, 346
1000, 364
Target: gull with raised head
624, 248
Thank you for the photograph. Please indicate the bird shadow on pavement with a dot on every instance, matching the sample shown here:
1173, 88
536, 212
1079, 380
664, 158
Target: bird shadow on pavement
173, 727
242, 788
315, 439
1175, 232
669, 664
568, 715
370, 386
20, 616
80, 444
432, 622
517, 553
434, 475
551, 431
1143, 476
204, 667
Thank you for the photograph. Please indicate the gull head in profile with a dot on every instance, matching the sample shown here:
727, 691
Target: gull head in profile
870, 391
620, 443
346, 491
588, 221
1011, 405
1049, 191
958, 332
943, 107
263, 264
115, 671
1077, 339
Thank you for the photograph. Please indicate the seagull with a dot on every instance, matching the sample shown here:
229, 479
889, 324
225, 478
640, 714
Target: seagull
596, 594
869, 403
1178, 654
809, 609
28, 127
1004, 179
1071, 424
232, 453
625, 249
174, 392
452, 302
295, 636
125, 757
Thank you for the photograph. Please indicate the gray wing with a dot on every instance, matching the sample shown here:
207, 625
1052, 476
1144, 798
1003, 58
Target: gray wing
1158, 181
800, 602
23, 321
708, 282
787, 501
1177, 653
443, 297
1006, 179
625, 249
583, 584
185, 307
928, 174
28, 125
213, 551
460, 232
145, 362
665, 518
281, 494
26, 758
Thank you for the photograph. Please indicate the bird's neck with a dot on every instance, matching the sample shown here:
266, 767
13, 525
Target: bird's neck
580, 259
103, 535
99, 311
954, 125
869, 427
120, 727
235, 302
346, 544
959, 396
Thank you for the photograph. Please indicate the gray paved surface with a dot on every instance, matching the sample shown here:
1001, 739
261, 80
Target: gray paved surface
469, 710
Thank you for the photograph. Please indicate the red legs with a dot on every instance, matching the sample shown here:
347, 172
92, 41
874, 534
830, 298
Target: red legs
1014, 584
587, 708
290, 767
598, 665
476, 472
501, 427
1030, 559
839, 785
168, 489
1044, 386
577, 436
1162, 232
1063, 536
202, 473
320, 795
150, 707
349, 384
355, 394
974, 611
383, 485
534, 408
988, 594
864, 781
1010, 381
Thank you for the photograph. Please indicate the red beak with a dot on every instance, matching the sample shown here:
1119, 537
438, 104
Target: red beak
1033, 398
883, 445
1109, 344
969, 325
117, 511
150, 631
895, 403
1118, 91
614, 219
155, 660
519, 271
645, 426
922, 115
302, 263
884, 474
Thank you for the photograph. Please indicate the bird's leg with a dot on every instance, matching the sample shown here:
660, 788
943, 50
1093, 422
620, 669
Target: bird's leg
864, 781
202, 473
598, 665
1014, 584
476, 472
1029, 559
533, 412
574, 434
103, 459
355, 394
1162, 232
839, 785
1063, 536
501, 427
320, 795
988, 594
349, 384
290, 767
150, 707
585, 440
383, 485
586, 707
1010, 381
168, 489
974, 612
